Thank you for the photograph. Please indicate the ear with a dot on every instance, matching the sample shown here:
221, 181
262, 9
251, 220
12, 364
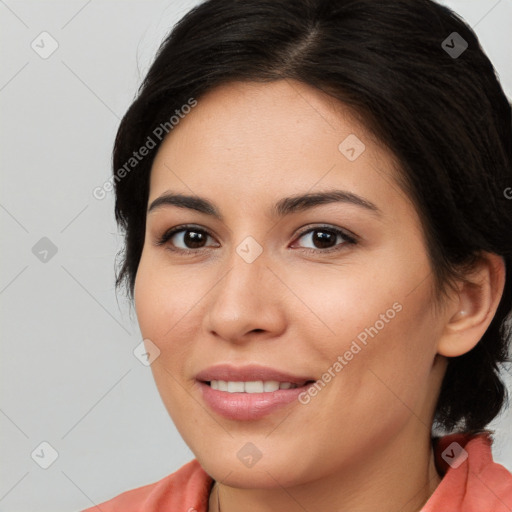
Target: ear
473, 307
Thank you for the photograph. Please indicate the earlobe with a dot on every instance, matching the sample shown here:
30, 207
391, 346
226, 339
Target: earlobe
474, 306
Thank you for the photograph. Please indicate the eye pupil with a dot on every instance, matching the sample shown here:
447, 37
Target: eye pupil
324, 237
193, 238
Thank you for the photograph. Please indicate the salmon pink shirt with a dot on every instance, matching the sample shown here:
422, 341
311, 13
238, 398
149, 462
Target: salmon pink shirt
471, 482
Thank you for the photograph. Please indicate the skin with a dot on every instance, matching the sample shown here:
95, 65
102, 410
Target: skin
363, 443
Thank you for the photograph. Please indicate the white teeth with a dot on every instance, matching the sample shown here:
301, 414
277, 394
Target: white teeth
235, 387
256, 386
271, 385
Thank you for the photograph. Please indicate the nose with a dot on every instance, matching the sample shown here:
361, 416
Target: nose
247, 301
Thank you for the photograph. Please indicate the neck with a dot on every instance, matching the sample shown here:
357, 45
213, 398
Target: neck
401, 476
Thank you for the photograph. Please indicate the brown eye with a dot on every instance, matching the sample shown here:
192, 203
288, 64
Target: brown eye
192, 239
324, 239
185, 238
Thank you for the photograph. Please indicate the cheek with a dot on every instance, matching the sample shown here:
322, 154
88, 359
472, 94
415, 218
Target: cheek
168, 303
384, 332
338, 304
389, 376
148, 305
159, 309
164, 296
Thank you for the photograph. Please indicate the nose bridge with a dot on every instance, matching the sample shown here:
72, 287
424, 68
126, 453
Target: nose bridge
241, 302
247, 264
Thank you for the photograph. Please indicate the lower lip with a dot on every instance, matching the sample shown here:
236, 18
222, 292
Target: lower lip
248, 406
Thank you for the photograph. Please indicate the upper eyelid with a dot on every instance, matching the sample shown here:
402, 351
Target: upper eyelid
327, 227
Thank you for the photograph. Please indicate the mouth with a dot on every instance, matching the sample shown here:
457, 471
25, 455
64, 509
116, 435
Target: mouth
249, 392
254, 386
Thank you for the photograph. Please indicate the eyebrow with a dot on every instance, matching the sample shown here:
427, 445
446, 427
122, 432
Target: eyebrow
283, 207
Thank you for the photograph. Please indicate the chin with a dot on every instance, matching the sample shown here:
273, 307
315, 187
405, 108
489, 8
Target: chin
232, 465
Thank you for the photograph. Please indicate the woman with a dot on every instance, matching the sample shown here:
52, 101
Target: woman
318, 234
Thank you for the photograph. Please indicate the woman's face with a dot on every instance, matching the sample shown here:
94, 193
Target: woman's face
337, 292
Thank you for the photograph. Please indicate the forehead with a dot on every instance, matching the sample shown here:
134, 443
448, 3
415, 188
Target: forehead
267, 138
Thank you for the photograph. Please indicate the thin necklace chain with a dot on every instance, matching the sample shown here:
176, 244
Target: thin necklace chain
218, 497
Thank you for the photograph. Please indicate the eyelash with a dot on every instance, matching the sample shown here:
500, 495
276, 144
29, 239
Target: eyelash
348, 239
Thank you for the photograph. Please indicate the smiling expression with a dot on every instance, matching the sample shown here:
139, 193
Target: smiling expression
264, 277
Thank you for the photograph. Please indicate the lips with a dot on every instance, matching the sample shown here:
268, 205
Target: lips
233, 392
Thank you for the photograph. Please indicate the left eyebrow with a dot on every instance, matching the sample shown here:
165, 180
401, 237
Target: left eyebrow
283, 207
301, 202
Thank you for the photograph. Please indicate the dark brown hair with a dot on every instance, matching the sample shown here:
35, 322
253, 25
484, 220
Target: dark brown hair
403, 67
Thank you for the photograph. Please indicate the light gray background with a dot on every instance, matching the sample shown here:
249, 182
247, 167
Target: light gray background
69, 376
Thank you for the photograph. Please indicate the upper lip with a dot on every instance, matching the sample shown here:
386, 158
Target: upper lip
249, 373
